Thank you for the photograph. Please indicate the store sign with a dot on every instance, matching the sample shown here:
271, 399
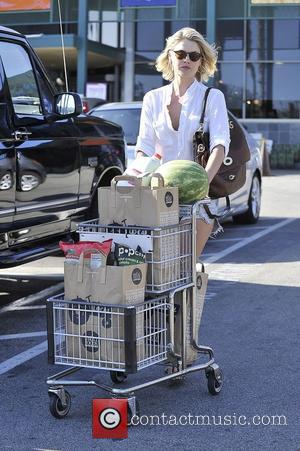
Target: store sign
143, 3
25, 5
98, 90
275, 2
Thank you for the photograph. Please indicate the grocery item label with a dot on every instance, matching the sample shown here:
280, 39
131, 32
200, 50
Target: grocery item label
169, 199
136, 276
96, 261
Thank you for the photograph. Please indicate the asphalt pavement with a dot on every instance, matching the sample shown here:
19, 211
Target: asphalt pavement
250, 319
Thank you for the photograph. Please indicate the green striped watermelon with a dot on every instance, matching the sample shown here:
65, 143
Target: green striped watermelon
190, 177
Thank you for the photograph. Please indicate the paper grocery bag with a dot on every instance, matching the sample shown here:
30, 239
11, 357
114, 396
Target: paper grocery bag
95, 336
105, 284
138, 205
164, 270
200, 291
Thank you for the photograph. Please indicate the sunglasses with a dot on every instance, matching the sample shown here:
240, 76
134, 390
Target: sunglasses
182, 54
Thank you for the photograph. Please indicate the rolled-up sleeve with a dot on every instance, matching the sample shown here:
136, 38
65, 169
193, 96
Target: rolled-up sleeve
146, 139
218, 121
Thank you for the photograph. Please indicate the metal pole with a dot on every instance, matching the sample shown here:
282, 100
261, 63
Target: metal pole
129, 33
82, 47
211, 25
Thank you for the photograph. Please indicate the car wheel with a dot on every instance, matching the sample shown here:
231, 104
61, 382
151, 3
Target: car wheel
30, 180
251, 216
6, 181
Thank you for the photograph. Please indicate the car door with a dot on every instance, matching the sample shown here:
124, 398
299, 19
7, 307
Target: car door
7, 166
47, 151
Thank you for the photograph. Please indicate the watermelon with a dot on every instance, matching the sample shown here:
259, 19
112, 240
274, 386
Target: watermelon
190, 177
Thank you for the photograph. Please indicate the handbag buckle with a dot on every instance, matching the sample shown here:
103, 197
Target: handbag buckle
200, 148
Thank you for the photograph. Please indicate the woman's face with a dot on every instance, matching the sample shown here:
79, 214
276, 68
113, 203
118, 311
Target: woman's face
185, 67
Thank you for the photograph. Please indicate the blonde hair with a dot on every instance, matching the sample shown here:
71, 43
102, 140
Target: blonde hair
208, 52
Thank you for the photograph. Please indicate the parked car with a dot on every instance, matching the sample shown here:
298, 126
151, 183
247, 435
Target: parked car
88, 103
52, 157
245, 203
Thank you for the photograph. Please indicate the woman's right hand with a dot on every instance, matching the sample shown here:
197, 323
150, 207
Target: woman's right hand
139, 154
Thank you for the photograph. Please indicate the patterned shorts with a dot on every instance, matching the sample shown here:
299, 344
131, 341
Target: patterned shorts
213, 208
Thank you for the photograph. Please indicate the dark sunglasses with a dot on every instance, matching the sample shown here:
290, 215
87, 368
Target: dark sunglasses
182, 54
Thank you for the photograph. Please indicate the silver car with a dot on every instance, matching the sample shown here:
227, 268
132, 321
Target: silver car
245, 203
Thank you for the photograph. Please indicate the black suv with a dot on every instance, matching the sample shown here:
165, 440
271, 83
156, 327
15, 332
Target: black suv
52, 157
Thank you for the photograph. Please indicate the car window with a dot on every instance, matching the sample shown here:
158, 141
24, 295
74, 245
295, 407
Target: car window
128, 119
21, 80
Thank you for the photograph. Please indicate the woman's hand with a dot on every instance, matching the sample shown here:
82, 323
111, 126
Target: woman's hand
140, 153
215, 161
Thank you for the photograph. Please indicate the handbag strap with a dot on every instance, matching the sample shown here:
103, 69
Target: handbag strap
201, 127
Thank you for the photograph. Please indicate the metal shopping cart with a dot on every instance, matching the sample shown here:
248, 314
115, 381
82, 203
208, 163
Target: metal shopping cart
125, 339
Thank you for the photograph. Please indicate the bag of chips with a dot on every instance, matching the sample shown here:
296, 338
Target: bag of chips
73, 251
125, 255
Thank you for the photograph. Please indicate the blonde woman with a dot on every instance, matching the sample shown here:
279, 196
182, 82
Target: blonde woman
170, 114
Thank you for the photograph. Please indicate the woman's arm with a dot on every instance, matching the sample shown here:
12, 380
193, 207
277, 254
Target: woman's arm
215, 161
146, 136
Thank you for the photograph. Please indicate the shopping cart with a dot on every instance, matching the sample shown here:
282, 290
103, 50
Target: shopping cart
125, 339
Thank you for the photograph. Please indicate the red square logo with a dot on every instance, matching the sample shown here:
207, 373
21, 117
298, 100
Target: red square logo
110, 418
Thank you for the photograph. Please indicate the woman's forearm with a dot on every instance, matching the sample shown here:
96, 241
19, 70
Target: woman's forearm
215, 161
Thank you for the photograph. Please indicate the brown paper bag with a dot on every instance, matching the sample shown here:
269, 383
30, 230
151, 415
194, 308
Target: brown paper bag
164, 270
105, 284
95, 336
201, 287
138, 205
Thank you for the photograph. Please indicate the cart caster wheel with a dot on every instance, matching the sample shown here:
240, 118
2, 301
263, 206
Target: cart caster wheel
118, 377
56, 407
214, 381
131, 412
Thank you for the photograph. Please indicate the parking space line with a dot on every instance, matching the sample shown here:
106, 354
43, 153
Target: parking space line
23, 357
33, 297
234, 227
219, 240
248, 240
31, 307
23, 335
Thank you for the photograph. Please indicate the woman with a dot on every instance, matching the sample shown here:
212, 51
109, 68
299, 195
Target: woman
170, 114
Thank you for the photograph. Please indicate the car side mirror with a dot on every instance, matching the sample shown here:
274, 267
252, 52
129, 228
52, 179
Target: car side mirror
67, 104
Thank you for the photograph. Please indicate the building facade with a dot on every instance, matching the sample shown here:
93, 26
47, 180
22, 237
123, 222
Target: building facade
115, 48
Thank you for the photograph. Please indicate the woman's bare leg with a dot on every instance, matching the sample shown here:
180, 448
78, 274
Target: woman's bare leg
203, 232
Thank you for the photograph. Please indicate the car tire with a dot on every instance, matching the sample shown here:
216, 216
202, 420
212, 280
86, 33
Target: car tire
251, 216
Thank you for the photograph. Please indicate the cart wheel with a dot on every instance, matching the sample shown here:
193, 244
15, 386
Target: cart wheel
214, 381
118, 377
56, 408
131, 414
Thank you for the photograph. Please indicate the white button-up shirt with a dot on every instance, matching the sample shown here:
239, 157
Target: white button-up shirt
157, 135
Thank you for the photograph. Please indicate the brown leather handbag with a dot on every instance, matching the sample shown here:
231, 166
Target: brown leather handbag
232, 173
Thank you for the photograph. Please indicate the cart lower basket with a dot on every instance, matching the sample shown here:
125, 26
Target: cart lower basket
122, 340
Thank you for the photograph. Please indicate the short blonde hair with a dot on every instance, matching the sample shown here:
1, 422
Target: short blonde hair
208, 52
